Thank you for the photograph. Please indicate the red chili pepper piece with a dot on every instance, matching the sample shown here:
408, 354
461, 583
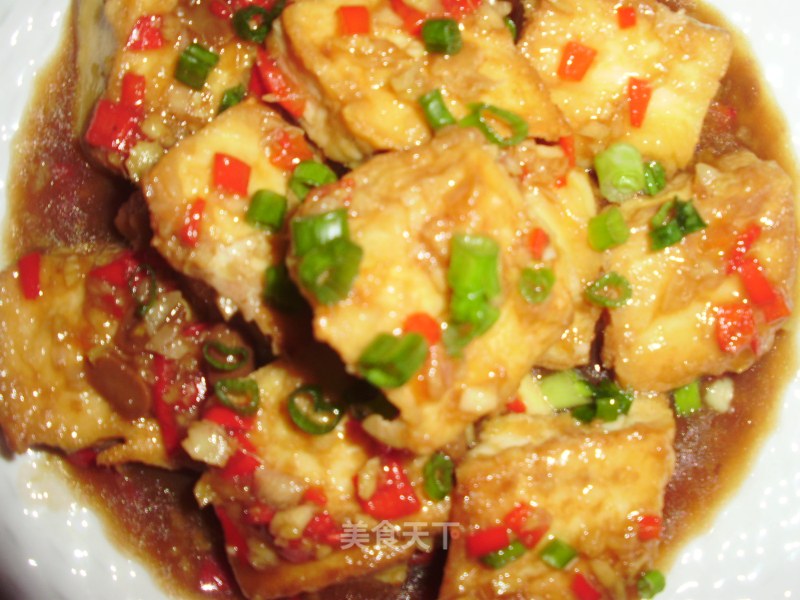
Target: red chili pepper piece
255, 87
113, 127
575, 61
529, 523
146, 34
639, 93
735, 327
316, 495
762, 292
394, 496
118, 271
289, 149
538, 240
30, 275
412, 18
323, 529
584, 589
190, 233
278, 83
235, 540
490, 539
425, 325
231, 174
567, 144
240, 464
133, 92
220, 10
259, 514
516, 406
458, 9
626, 17
743, 245
229, 419
353, 20
164, 371
649, 527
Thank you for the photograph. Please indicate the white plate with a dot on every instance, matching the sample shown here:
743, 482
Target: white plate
52, 547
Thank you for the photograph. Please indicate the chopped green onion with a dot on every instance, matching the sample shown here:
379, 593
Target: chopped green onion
390, 361
565, 389
280, 292
477, 118
441, 36
610, 401
143, 295
585, 413
316, 230
223, 357
612, 290
194, 65
688, 217
608, 229
312, 412
674, 220
558, 554
651, 583
436, 112
687, 399
536, 284
253, 23
310, 174
473, 310
456, 336
511, 26
474, 265
438, 476
328, 271
666, 235
655, 178
620, 172
267, 209
240, 395
232, 97
501, 558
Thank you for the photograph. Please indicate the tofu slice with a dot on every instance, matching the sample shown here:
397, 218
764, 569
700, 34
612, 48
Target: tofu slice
404, 208
580, 483
362, 91
280, 556
46, 398
682, 59
666, 336
229, 254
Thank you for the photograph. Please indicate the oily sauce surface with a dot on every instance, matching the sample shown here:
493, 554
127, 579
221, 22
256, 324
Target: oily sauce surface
59, 199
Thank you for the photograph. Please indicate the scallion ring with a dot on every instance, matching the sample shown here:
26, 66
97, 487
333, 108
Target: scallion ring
441, 36
612, 290
240, 395
390, 361
501, 558
328, 271
267, 210
535, 284
232, 97
620, 172
608, 229
655, 177
557, 553
310, 174
316, 230
480, 116
253, 23
438, 476
436, 112
651, 583
194, 65
312, 412
143, 286
223, 357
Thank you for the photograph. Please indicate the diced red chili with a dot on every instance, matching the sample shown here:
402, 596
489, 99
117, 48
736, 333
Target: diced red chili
323, 529
458, 9
529, 523
626, 17
256, 87
289, 149
516, 406
425, 325
220, 10
538, 240
113, 127
649, 527
231, 174
259, 514
639, 93
118, 271
762, 292
164, 374
240, 464
575, 61
278, 83
316, 495
133, 91
30, 275
489, 539
394, 496
146, 34
584, 589
742, 246
567, 144
190, 233
235, 540
412, 18
353, 20
229, 419
735, 327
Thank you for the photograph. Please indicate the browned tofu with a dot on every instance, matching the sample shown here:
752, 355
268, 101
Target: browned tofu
668, 334
576, 483
404, 210
361, 91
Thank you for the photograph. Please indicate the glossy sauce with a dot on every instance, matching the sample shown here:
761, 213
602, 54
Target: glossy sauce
59, 199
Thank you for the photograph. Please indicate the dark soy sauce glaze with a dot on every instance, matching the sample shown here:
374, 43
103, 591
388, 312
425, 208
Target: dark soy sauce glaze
59, 199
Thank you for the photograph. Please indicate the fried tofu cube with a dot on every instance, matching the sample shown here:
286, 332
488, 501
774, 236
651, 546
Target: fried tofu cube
404, 210
675, 327
680, 59
550, 477
200, 226
361, 91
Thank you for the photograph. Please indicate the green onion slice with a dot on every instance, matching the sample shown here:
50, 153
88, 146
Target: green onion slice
511, 26
687, 399
310, 174
240, 395
194, 65
436, 111
651, 583
565, 389
223, 357
474, 265
620, 172
143, 286
608, 229
536, 284
390, 361
558, 554
585, 413
501, 558
232, 97
317, 230
611, 401
674, 220
612, 290
328, 271
312, 412
267, 210
280, 292
481, 116
253, 23
438, 476
441, 36
655, 178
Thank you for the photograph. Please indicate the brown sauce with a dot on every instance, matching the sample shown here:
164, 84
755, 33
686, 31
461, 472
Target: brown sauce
58, 199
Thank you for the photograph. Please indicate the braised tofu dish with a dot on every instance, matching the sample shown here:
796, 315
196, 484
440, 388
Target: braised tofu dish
415, 298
